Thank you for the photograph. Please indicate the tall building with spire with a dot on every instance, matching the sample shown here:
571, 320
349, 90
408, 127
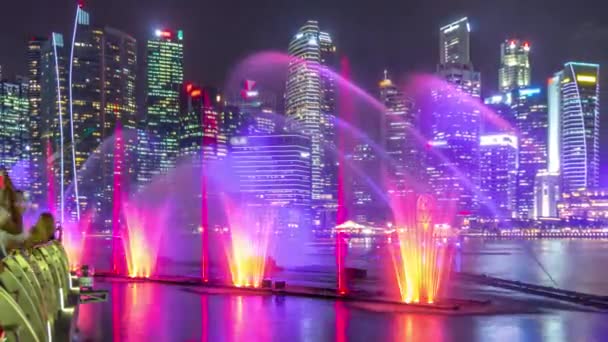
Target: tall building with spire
514, 69
158, 146
310, 102
453, 158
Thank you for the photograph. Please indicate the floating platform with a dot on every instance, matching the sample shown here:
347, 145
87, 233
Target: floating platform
442, 306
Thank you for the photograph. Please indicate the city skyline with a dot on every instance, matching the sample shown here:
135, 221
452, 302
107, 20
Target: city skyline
488, 34
320, 170
582, 32
314, 98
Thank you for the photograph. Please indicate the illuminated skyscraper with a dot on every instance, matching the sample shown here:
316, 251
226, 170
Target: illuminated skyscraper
199, 143
118, 107
530, 108
165, 76
84, 93
252, 112
366, 204
500, 104
14, 135
579, 142
79, 93
55, 120
514, 69
404, 169
498, 175
453, 163
454, 43
199, 125
273, 172
101, 92
252, 99
34, 65
310, 101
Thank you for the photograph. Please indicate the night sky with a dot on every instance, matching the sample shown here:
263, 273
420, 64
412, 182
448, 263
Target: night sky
399, 34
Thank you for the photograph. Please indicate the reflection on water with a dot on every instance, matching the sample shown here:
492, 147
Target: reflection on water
341, 321
153, 312
573, 264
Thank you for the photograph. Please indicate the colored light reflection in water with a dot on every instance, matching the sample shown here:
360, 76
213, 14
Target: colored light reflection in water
407, 327
342, 318
117, 307
420, 262
204, 319
248, 245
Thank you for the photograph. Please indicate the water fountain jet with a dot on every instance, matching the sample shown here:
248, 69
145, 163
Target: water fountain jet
420, 262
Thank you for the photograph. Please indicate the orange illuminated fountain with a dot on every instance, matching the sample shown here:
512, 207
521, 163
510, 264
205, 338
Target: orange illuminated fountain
420, 261
247, 250
141, 240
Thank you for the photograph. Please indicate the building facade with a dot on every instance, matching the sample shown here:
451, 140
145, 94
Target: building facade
453, 152
454, 42
84, 104
498, 175
310, 103
589, 204
101, 77
579, 136
54, 128
404, 165
554, 109
530, 107
34, 67
273, 171
547, 193
501, 105
118, 109
514, 69
15, 149
164, 80
366, 205
199, 126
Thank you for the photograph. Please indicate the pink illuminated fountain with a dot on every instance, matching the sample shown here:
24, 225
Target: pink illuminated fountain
50, 178
117, 196
136, 226
344, 144
73, 238
248, 246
